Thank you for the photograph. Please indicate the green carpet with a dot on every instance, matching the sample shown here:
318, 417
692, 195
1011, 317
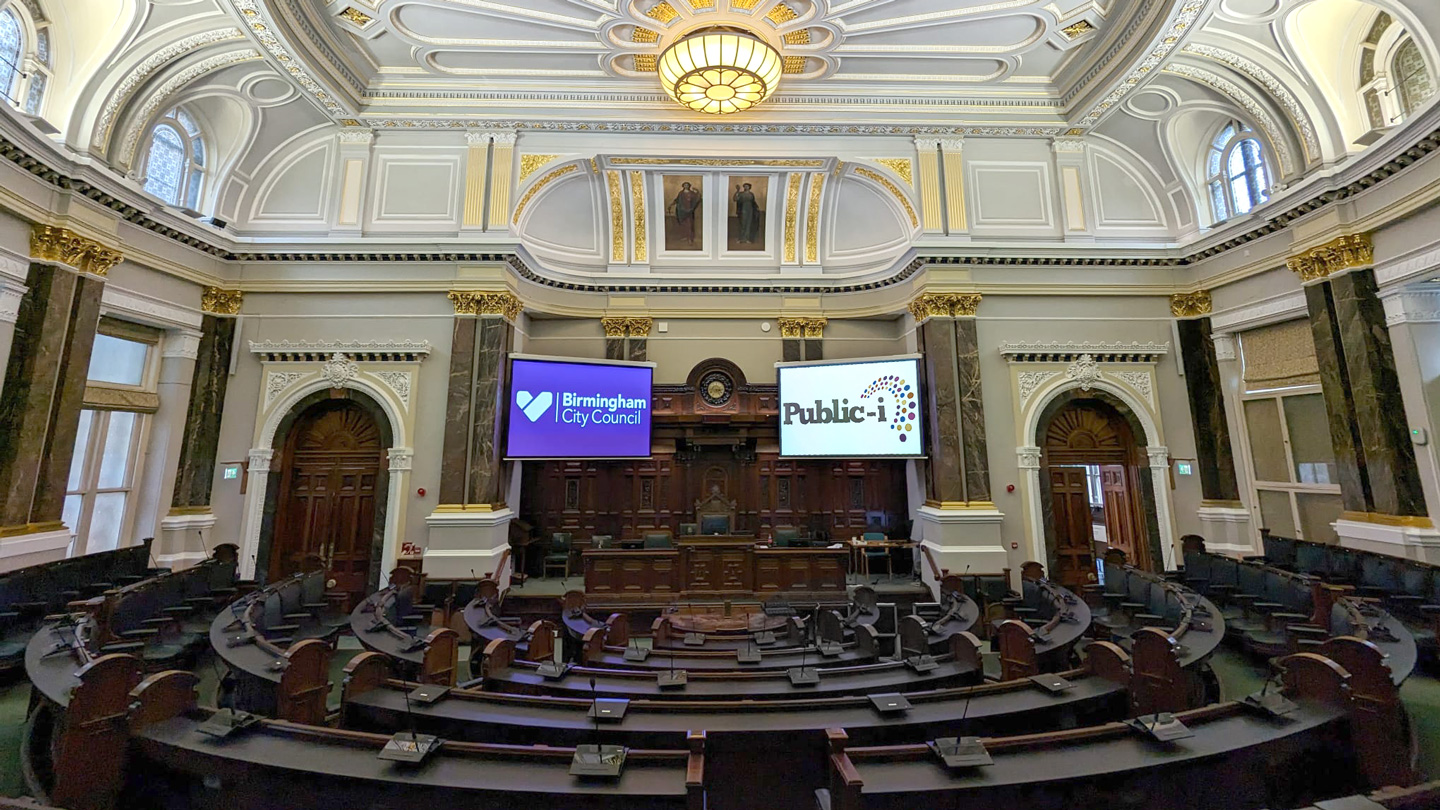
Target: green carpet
14, 700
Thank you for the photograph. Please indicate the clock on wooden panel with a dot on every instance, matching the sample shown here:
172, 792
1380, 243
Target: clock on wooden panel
716, 388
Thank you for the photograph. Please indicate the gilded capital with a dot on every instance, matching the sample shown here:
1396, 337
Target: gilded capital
626, 327
813, 328
221, 302
471, 302
1345, 253
1191, 305
51, 244
944, 305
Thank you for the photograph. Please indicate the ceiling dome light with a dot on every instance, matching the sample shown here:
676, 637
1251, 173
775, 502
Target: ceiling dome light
719, 71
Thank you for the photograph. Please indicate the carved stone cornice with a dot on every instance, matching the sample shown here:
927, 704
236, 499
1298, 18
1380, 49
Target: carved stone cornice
504, 304
1348, 252
1191, 305
813, 328
221, 302
944, 305
51, 244
626, 327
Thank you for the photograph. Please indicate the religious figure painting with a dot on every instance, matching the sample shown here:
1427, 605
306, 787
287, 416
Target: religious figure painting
684, 220
746, 223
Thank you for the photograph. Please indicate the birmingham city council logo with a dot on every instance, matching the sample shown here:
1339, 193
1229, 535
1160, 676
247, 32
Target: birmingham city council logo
534, 406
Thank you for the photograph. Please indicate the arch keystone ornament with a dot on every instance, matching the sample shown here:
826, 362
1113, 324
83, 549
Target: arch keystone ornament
339, 371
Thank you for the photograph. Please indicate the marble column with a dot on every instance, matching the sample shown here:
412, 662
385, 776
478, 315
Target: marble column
469, 529
1379, 478
802, 339
958, 523
44, 390
1227, 525
1207, 398
181, 531
627, 338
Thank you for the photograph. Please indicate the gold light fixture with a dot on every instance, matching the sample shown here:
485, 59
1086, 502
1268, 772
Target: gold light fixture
719, 71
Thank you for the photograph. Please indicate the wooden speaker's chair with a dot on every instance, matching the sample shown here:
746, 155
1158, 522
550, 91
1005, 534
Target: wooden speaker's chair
715, 514
786, 536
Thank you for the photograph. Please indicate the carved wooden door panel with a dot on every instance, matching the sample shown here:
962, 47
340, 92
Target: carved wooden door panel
326, 511
1074, 539
1121, 528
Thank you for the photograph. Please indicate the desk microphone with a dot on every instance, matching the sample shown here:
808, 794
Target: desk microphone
595, 709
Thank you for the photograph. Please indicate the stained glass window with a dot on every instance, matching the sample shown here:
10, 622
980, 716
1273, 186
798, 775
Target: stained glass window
1236, 174
12, 49
36, 94
164, 170
1411, 77
174, 170
42, 46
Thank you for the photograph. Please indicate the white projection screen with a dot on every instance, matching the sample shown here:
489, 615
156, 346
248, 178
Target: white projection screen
852, 409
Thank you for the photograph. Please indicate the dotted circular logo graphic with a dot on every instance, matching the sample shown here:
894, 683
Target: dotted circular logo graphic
901, 402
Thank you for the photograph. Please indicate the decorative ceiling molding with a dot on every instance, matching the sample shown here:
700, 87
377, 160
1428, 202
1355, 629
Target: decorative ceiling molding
1277, 89
141, 73
140, 120
1279, 142
1181, 22
320, 351
262, 29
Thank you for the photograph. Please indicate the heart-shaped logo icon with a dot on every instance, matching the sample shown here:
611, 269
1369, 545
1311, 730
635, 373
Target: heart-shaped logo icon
534, 406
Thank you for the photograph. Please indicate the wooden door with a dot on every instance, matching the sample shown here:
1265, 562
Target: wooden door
1074, 539
1121, 528
327, 496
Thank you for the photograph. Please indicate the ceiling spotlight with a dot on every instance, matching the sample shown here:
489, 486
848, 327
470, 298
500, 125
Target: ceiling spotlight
720, 71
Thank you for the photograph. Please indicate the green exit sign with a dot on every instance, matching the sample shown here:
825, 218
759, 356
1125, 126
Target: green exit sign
230, 472
1184, 468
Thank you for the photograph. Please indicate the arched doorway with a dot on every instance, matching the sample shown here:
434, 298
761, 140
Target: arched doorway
1095, 476
329, 496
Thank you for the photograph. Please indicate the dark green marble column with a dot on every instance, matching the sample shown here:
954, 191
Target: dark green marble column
470, 463
1340, 408
802, 339
44, 392
198, 447
1387, 458
959, 467
1207, 411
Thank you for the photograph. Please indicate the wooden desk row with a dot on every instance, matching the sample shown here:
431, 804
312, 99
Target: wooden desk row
715, 566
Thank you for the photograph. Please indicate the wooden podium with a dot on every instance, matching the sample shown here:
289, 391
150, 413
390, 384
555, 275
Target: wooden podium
715, 565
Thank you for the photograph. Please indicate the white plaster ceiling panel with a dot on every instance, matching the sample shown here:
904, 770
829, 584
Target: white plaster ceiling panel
507, 56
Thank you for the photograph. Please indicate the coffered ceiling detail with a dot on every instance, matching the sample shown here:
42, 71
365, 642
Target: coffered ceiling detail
413, 63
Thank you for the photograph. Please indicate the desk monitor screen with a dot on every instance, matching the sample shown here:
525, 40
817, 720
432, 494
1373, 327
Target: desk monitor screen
856, 409
578, 409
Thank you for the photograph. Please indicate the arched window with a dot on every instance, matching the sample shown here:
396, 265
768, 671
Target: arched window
1412, 79
1236, 175
175, 164
12, 54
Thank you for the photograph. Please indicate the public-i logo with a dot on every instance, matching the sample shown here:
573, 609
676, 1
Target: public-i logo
903, 397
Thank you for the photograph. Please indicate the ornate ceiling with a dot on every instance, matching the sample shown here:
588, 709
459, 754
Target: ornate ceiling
1046, 64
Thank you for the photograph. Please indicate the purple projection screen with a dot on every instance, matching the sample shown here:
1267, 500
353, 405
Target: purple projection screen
578, 409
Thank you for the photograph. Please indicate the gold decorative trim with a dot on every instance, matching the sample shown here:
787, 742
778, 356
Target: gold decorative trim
1345, 253
1407, 521
792, 64
629, 326
645, 62
617, 218
787, 163
944, 305
810, 328
1191, 305
903, 167
1077, 30
356, 16
529, 164
700, 5
812, 219
792, 214
1218, 504
51, 244
542, 183
637, 211
865, 171
221, 302
781, 14
961, 506
179, 511
456, 508
32, 528
469, 302
800, 37
644, 35
663, 12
